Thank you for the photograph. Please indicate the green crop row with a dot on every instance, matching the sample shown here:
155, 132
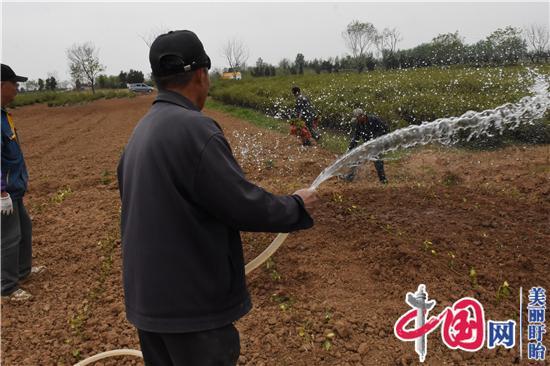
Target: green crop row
61, 98
401, 97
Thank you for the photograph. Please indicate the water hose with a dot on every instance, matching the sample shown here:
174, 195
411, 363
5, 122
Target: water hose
252, 265
113, 353
268, 252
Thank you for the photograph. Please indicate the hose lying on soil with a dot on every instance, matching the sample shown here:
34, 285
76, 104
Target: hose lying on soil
268, 252
113, 353
252, 265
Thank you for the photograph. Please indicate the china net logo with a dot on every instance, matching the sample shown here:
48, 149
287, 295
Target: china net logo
463, 325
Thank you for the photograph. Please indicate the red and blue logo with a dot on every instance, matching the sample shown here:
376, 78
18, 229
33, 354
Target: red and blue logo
463, 325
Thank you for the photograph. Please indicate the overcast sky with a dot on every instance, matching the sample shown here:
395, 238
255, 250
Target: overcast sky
35, 36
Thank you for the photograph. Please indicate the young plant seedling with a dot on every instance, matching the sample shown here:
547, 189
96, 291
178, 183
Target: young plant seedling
272, 269
327, 345
503, 291
61, 195
284, 301
451, 259
337, 198
473, 277
106, 177
428, 246
269, 164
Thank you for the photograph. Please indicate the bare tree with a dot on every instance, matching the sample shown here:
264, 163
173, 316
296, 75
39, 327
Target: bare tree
388, 40
153, 34
84, 63
236, 54
359, 37
537, 37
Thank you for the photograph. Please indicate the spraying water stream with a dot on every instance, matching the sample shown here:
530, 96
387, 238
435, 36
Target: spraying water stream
447, 130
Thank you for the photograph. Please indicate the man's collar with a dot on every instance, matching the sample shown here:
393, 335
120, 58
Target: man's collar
169, 96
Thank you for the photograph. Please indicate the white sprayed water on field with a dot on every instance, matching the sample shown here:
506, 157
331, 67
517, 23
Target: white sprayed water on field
253, 155
448, 130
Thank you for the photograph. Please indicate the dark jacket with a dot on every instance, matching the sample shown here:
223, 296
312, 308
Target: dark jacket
373, 128
184, 200
304, 110
14, 171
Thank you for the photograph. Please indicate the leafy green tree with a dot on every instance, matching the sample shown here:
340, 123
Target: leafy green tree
506, 46
123, 77
102, 81
447, 49
337, 65
262, 69
326, 65
300, 62
259, 69
285, 66
135, 76
389, 59
51, 83
478, 54
40, 84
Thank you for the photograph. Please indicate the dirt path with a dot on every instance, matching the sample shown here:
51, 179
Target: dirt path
332, 294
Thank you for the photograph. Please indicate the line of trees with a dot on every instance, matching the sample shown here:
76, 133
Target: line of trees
262, 69
504, 46
85, 70
370, 48
120, 80
48, 84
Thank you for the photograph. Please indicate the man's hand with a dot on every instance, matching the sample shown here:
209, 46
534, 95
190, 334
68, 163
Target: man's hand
7, 205
309, 196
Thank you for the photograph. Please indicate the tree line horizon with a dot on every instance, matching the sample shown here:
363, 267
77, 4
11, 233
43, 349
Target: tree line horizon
369, 49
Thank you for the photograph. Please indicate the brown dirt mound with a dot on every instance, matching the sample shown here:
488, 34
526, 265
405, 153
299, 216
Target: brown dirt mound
444, 212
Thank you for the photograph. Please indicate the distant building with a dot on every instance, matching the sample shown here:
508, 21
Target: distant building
231, 76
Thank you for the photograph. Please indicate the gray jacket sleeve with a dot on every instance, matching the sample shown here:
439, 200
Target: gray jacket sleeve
221, 189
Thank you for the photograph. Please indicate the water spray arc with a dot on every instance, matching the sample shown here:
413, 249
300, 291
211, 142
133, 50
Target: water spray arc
448, 131
444, 130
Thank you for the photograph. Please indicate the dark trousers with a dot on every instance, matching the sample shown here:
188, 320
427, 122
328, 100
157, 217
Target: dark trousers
216, 347
379, 165
16, 247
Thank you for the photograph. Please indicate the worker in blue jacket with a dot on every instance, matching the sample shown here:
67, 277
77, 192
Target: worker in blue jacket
16, 244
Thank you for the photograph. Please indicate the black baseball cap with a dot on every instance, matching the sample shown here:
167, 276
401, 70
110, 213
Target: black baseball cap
9, 75
176, 52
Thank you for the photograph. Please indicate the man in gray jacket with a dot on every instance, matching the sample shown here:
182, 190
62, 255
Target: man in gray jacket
184, 201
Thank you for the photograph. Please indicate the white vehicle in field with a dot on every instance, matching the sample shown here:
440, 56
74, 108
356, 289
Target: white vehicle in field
140, 88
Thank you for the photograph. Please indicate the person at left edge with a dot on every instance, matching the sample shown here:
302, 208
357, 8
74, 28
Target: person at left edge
16, 245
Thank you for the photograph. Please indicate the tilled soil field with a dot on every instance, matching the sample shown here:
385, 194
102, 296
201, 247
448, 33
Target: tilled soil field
331, 294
